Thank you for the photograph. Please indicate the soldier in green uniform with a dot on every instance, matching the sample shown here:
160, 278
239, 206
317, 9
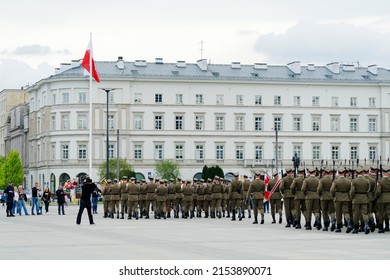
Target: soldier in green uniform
216, 198
194, 196
275, 196
340, 191
326, 200
288, 197
225, 201
312, 199
256, 190
235, 196
123, 195
371, 198
179, 197
299, 198
201, 194
359, 194
245, 204
151, 197
187, 199
171, 197
207, 198
113, 207
161, 192
133, 191
106, 197
382, 193
142, 198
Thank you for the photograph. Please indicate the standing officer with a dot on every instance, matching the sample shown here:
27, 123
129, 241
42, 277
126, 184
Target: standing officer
142, 198
216, 198
276, 197
312, 199
288, 197
9, 192
382, 194
187, 199
256, 190
245, 204
235, 197
114, 202
123, 195
326, 200
299, 198
133, 191
161, 199
359, 194
171, 197
201, 194
179, 197
207, 198
106, 196
340, 191
151, 197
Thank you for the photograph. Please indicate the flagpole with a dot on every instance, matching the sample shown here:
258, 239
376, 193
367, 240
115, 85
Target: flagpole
90, 110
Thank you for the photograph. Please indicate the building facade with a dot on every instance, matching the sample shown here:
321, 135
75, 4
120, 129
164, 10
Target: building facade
207, 114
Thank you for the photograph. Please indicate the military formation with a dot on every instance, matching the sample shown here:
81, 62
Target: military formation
322, 198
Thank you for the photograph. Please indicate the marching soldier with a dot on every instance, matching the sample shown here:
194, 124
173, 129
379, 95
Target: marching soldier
216, 198
151, 197
106, 197
382, 194
299, 198
235, 197
142, 198
179, 197
201, 197
371, 198
114, 202
288, 197
275, 197
133, 191
326, 200
161, 192
245, 204
340, 191
225, 201
123, 196
312, 199
207, 198
194, 196
256, 189
359, 194
171, 197
187, 199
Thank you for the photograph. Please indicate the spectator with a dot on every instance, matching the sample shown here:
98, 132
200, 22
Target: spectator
60, 193
22, 202
16, 200
9, 191
46, 196
95, 199
35, 199
85, 201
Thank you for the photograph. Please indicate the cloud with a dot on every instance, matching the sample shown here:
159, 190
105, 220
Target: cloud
323, 43
35, 50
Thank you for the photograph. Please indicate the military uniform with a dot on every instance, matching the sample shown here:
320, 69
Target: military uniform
171, 198
257, 189
288, 197
207, 199
179, 197
326, 201
161, 192
106, 197
225, 202
382, 194
216, 198
201, 197
194, 197
299, 199
371, 198
275, 197
245, 203
114, 202
123, 196
151, 198
142, 198
235, 196
312, 199
133, 191
187, 200
359, 194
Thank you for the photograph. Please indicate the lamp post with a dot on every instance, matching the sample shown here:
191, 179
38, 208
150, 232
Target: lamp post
107, 90
276, 147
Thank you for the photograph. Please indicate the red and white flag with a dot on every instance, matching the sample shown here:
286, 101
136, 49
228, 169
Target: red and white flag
88, 62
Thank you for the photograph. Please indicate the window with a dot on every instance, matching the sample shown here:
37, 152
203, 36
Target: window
353, 124
277, 100
315, 101
372, 152
54, 99
297, 150
280, 151
219, 123
82, 151
179, 98
53, 151
82, 122
372, 124
158, 151
111, 97
199, 152
65, 98
199, 99
278, 123
353, 101
199, 120
219, 152
335, 101
258, 123
137, 98
39, 126
258, 100
138, 122
354, 152
219, 99
158, 122
258, 152
137, 151
297, 100
335, 152
53, 122
316, 123
371, 102
239, 123
239, 152
335, 124
179, 122
65, 152
239, 99
316, 152
111, 122
82, 97
179, 150
297, 124
65, 122
111, 151
158, 98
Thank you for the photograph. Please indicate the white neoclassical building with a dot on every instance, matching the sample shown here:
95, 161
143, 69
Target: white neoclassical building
207, 114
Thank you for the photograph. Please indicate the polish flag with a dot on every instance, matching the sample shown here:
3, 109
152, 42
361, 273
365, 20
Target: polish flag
88, 60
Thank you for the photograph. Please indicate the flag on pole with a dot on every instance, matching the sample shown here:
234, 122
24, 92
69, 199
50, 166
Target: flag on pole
89, 64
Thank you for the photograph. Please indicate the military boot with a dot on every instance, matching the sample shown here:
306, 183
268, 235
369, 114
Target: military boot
243, 214
308, 226
349, 227
255, 222
338, 229
164, 215
117, 215
367, 228
273, 219
234, 215
129, 216
387, 225
295, 222
239, 214
169, 214
326, 226
191, 214
227, 214
122, 216
319, 226
249, 213
223, 212
262, 219
105, 215
280, 218
371, 223
206, 214
298, 225
333, 226
219, 215
380, 229
136, 215
361, 227
355, 229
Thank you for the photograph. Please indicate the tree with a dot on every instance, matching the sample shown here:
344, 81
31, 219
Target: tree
211, 172
125, 169
13, 168
167, 169
2, 178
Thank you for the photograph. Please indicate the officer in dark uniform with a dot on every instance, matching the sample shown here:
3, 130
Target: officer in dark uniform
9, 192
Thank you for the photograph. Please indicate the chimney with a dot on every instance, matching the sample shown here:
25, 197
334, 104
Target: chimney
311, 67
63, 67
373, 69
348, 67
295, 66
260, 66
140, 63
181, 64
120, 63
76, 63
333, 67
202, 63
236, 65
159, 60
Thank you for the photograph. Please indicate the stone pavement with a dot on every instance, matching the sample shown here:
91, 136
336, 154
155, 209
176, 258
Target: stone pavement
54, 237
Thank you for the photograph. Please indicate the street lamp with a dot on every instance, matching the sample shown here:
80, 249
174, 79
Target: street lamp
107, 90
276, 147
